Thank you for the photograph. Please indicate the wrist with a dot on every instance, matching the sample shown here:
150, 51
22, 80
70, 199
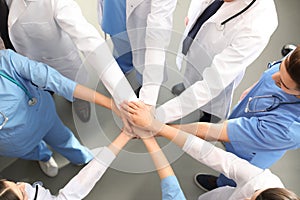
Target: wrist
119, 143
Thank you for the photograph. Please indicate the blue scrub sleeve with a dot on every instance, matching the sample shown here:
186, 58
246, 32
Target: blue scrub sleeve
42, 75
171, 189
269, 132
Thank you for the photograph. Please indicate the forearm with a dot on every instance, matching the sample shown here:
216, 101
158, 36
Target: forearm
161, 163
171, 133
87, 94
207, 131
119, 143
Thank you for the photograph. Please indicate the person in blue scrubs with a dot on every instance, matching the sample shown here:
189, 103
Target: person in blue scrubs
265, 123
116, 28
170, 187
253, 182
28, 118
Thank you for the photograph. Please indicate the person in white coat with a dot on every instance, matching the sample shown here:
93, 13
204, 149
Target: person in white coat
226, 44
78, 187
143, 28
253, 183
55, 32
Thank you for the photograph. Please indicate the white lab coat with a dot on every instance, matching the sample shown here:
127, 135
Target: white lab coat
248, 177
227, 49
81, 184
54, 31
148, 44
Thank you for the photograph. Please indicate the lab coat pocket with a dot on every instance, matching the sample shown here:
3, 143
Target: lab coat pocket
38, 30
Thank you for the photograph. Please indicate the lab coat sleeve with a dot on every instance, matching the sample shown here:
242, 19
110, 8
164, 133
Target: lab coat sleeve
80, 186
40, 74
88, 40
226, 67
158, 35
194, 8
224, 162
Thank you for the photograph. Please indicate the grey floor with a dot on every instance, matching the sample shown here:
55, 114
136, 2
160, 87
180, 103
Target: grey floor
120, 181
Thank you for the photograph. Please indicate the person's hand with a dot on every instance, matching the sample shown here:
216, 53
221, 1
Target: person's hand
127, 127
138, 113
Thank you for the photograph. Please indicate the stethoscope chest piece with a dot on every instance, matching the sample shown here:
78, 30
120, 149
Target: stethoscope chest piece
32, 101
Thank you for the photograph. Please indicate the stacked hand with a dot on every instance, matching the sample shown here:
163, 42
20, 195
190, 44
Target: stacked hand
141, 117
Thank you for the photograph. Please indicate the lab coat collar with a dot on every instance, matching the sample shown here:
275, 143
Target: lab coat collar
30, 191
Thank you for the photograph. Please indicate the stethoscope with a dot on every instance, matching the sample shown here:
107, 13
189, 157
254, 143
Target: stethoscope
276, 98
32, 100
235, 15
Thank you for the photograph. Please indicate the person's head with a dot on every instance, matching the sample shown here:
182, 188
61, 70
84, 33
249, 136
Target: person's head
274, 194
12, 191
2, 46
288, 77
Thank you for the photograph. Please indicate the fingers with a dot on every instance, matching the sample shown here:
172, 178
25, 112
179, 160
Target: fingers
128, 109
127, 126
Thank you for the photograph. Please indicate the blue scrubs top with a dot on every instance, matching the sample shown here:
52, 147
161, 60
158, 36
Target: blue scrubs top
171, 189
263, 137
114, 16
26, 121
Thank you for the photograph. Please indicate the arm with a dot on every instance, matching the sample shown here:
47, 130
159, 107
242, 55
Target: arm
228, 65
79, 186
139, 115
157, 39
169, 183
207, 131
87, 94
161, 163
206, 153
87, 39
47, 78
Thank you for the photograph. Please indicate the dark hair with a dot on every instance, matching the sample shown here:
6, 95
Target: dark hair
277, 194
293, 66
7, 194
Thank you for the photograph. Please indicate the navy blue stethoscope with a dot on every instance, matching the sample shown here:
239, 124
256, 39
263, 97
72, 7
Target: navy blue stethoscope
31, 102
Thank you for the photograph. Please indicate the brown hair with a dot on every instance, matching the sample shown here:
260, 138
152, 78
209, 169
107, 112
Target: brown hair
2, 45
293, 66
277, 194
7, 193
